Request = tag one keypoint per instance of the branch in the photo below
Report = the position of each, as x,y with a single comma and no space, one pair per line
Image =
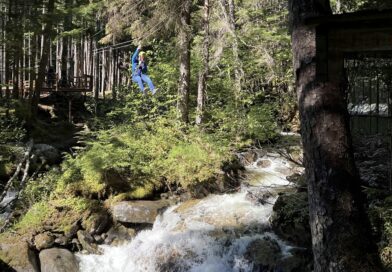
18,169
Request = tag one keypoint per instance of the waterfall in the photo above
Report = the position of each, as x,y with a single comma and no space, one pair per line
212,234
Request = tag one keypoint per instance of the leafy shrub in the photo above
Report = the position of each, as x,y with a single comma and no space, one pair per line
134,158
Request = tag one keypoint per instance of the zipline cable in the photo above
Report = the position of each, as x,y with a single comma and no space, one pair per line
128,43
111,46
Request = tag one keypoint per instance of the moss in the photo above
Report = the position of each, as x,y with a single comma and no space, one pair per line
35,217
139,193
59,214
386,257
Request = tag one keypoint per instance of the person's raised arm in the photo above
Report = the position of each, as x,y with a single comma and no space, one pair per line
135,56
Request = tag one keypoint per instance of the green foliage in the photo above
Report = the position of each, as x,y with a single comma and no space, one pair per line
11,126
61,214
136,158
35,216
40,188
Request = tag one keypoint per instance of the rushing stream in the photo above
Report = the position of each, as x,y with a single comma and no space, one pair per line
212,234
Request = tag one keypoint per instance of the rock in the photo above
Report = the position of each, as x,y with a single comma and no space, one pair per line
248,158
299,180
58,260
138,212
290,219
71,232
264,163
258,197
18,255
264,253
97,222
47,153
119,234
87,242
61,240
299,259
43,241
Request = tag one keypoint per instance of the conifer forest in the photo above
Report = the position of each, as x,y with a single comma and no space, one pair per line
196,135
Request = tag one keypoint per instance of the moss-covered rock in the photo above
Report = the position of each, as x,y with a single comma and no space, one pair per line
87,242
290,219
96,221
16,253
43,241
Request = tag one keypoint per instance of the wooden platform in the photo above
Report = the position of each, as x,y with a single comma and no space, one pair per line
82,84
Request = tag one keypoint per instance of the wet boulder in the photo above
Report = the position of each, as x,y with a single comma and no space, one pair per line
119,234
58,260
87,242
269,255
265,163
264,253
138,212
248,158
290,218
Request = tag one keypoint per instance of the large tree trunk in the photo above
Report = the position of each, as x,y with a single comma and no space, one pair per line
44,57
202,85
238,71
65,53
184,41
340,229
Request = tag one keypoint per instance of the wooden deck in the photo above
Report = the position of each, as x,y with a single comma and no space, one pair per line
83,84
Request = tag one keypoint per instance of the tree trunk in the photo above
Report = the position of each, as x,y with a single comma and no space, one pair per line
44,57
228,9
238,71
185,57
202,85
67,26
339,226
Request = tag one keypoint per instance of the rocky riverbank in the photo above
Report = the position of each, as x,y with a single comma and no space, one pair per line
71,228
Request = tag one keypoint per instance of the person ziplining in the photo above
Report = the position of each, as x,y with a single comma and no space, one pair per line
139,71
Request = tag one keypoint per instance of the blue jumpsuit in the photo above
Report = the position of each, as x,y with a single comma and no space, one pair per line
139,73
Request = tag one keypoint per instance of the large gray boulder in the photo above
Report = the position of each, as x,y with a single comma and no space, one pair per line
58,260
138,212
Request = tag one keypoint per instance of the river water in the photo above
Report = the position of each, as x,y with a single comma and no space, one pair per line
212,234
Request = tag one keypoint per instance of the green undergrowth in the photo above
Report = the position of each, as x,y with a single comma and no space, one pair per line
137,149
380,215
135,159
58,214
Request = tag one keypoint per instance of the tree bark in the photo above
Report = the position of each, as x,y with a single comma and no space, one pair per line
185,57
228,9
339,226
202,85
44,58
